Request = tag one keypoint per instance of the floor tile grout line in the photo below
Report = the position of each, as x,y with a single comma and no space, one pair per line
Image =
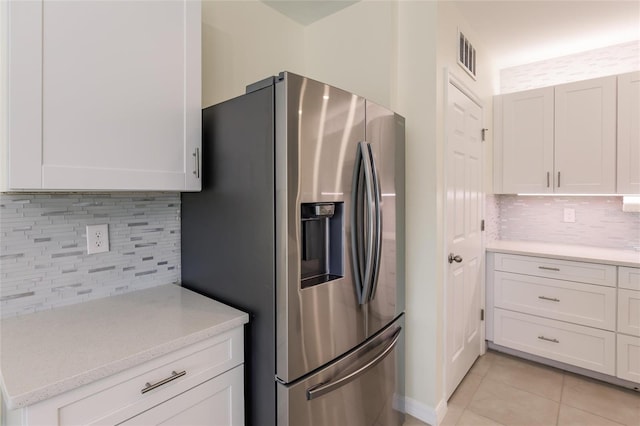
560,402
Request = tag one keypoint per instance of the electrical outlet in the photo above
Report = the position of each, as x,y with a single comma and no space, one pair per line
97,238
570,215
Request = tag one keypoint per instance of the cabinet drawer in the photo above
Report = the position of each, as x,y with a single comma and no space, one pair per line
584,347
629,311
119,397
218,401
591,273
628,365
584,304
629,278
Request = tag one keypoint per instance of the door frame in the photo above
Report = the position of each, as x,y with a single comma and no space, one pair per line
452,79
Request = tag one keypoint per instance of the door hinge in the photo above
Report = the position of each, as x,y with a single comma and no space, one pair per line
482,225
481,314
484,134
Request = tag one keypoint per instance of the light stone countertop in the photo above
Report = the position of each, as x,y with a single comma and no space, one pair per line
50,352
567,252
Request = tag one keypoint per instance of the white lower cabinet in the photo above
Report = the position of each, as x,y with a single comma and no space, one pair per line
628,364
582,314
196,385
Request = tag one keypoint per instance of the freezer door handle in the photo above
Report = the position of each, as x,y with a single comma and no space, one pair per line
324,388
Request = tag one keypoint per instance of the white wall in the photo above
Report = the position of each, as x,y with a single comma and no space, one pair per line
244,42
355,50
416,101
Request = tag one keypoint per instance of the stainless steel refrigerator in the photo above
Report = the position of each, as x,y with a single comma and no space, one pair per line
300,224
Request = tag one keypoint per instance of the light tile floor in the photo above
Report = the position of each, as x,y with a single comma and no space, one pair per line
504,390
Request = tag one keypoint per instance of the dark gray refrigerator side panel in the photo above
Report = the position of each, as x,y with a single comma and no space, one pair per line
228,233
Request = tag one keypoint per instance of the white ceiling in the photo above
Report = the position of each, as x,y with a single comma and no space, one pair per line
519,32
306,12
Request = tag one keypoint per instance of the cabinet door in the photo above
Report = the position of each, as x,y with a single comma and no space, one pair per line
527,142
217,402
585,137
629,311
629,133
628,362
120,96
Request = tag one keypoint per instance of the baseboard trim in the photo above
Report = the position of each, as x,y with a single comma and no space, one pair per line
424,412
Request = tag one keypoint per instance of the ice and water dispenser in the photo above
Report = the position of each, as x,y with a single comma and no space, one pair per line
322,243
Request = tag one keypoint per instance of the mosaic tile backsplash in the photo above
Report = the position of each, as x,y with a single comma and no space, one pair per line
600,221
617,59
43,250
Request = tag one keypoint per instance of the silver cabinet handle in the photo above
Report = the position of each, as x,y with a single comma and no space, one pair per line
558,179
149,387
546,339
548,268
552,299
548,179
196,155
457,258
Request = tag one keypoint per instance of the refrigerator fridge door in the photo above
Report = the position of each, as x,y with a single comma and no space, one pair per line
318,128
364,388
385,137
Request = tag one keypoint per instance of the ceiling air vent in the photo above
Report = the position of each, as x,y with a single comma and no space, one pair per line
466,55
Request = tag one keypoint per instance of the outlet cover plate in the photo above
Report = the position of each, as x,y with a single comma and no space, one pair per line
569,215
97,238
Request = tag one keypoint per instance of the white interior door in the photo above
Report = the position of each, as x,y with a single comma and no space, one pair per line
463,235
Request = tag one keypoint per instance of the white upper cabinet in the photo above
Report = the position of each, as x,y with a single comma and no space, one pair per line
101,95
585,137
629,133
558,139
527,141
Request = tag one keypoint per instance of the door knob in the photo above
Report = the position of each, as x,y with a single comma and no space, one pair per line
455,258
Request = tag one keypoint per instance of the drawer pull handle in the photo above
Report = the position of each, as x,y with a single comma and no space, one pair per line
552,299
548,340
149,387
547,268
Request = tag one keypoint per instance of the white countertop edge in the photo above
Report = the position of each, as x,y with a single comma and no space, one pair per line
49,391
607,256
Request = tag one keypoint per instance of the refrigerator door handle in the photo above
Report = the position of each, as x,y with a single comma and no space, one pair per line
364,223
356,220
324,388
378,224
370,222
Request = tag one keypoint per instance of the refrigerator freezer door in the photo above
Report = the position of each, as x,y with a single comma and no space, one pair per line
318,128
361,389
